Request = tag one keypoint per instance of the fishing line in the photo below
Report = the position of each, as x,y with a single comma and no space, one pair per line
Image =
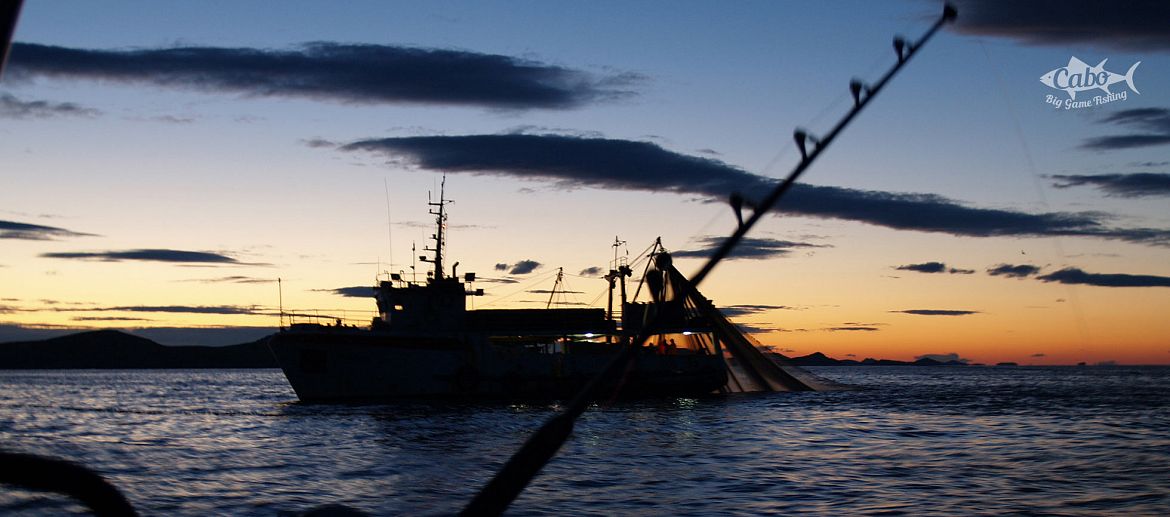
524,287
701,233
1038,185
541,446
389,224
598,297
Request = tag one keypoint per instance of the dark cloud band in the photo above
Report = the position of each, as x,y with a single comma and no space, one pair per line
1131,25
172,309
520,268
733,311
1072,275
12,107
1013,270
934,267
1141,184
937,312
353,73
748,248
360,291
1151,126
148,255
575,161
35,232
926,267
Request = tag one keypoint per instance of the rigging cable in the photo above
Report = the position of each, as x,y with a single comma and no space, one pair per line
1074,301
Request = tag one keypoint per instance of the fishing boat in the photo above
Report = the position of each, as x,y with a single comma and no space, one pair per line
425,342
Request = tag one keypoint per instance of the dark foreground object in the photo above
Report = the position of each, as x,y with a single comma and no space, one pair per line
53,475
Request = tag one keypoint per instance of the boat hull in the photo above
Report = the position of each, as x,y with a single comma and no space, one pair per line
344,364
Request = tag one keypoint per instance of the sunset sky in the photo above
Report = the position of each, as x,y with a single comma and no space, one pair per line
165,162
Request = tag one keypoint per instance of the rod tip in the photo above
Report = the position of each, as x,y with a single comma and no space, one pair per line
949,12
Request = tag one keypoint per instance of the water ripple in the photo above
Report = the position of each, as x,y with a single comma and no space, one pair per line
916,441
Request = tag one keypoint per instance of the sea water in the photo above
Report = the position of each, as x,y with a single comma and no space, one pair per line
913,440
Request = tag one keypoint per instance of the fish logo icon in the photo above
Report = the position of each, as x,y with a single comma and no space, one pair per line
1078,76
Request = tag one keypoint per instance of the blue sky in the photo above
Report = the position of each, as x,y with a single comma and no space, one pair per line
261,178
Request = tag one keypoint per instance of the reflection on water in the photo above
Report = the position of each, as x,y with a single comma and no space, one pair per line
917,440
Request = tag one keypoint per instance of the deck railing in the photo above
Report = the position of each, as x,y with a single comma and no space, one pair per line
327,317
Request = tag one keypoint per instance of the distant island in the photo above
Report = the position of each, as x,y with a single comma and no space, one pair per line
819,359
114,349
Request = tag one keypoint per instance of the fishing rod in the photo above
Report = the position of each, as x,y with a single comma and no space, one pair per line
9,13
527,462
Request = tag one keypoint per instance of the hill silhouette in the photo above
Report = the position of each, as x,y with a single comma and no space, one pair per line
113,349
819,359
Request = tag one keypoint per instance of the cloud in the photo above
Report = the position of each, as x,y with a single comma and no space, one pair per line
1124,185
549,291
934,267
14,108
347,73
757,329
108,318
1013,271
1072,275
190,309
35,232
853,329
943,358
319,143
496,280
925,267
571,161
359,291
1153,125
174,309
233,279
732,311
591,271
149,255
520,268
1038,355
556,303
430,225
937,312
1136,25
524,267
172,119
755,248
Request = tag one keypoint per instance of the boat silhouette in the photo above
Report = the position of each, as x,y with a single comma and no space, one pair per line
425,342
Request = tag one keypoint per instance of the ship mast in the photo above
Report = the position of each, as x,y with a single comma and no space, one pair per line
553,292
441,224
